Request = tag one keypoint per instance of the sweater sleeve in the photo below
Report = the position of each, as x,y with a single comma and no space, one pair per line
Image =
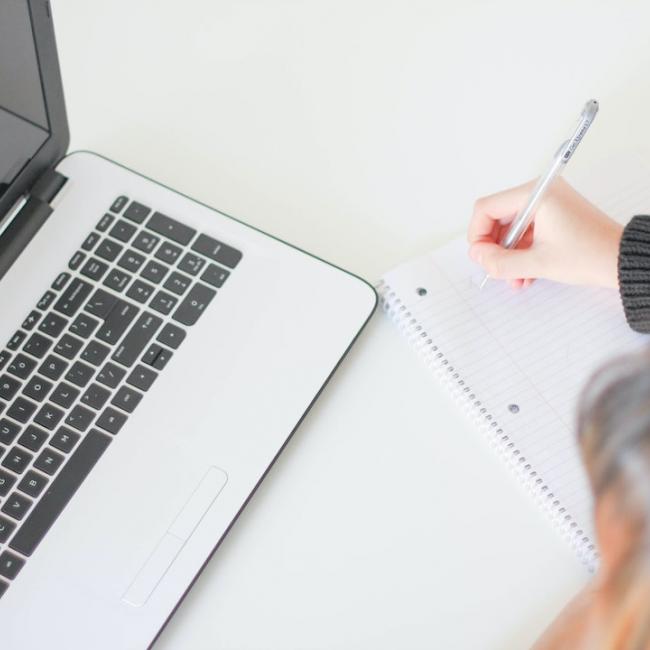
634,272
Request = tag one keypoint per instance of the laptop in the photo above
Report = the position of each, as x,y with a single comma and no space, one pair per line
155,357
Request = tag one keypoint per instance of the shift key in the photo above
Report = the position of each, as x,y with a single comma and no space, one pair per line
136,340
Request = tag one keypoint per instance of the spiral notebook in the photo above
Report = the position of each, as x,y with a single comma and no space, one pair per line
516,361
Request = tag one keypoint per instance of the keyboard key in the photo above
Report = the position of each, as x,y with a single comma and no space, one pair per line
17,460
61,280
6,482
49,416
140,291
52,324
108,250
7,527
117,322
111,375
127,399
94,269
157,356
68,346
76,260
47,299
4,358
49,461
80,418
64,395
37,345
53,367
141,377
31,320
32,484
117,280
131,261
80,374
105,222
191,263
177,283
33,438
3,587
136,340
194,304
73,297
10,565
37,388
84,326
21,366
118,204
95,353
137,212
154,271
163,302
16,506
95,396
111,420
164,225
145,241
8,387
65,439
122,230
215,275
101,303
21,409
90,241
8,432
171,335
61,490
16,340
217,251
168,253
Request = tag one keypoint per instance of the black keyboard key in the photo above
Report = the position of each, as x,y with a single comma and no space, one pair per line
8,432
16,506
191,263
4,358
52,324
68,346
53,367
126,399
150,357
47,299
122,230
141,377
140,291
215,275
49,461
21,366
108,250
49,416
117,322
131,261
94,269
10,565
8,387
90,241
117,280
65,439
37,345
73,297
168,253
16,340
33,438
31,320
105,222
137,212
194,304
118,204
17,460
217,251
80,374
61,490
21,409
164,225
163,302
3,587
84,326
111,420
80,418
111,375
136,340
145,241
6,482
76,260
95,396
154,271
7,527
64,395
171,335
37,388
162,358
101,303
61,280
95,353
177,283
32,484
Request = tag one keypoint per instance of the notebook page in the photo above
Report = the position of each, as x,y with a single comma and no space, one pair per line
523,356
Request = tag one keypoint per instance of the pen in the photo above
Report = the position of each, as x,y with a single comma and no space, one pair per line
561,158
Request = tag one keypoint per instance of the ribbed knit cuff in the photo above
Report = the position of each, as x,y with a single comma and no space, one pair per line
634,272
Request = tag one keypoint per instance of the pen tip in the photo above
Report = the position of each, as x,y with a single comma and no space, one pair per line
485,279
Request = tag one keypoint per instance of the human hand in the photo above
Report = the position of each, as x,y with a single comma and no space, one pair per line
570,240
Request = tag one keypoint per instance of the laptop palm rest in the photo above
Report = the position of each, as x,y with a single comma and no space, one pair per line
174,539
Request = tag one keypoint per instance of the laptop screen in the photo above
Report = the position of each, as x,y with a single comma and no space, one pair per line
24,125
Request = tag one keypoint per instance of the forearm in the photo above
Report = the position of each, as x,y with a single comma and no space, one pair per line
634,273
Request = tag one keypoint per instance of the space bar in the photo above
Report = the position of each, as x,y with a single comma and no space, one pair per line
61,490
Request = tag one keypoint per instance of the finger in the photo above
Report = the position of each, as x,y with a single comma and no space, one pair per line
506,264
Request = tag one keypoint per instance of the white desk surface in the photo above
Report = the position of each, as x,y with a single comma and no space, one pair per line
362,130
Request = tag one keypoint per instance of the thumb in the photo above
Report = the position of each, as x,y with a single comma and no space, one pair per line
506,264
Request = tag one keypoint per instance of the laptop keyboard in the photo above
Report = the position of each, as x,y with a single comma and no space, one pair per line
85,356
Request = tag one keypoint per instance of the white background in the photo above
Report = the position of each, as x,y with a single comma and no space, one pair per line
363,131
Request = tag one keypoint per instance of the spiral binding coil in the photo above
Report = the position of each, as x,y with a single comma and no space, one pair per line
464,396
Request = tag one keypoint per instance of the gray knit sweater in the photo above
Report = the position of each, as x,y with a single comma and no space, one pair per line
634,272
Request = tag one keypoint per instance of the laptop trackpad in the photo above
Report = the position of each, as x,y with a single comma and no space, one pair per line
174,539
